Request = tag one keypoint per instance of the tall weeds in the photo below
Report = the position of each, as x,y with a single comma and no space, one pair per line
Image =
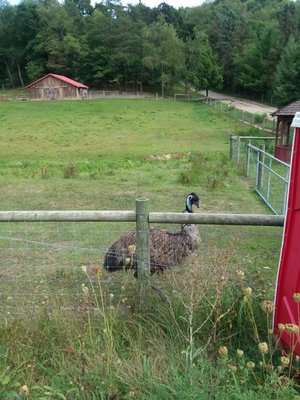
208,338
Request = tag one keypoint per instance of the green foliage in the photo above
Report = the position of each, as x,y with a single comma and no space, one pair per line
203,71
287,74
163,51
257,62
209,171
237,43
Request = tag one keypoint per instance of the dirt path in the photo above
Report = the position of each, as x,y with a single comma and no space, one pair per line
242,104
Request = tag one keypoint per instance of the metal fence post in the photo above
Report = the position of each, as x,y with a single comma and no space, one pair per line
285,191
231,147
248,156
238,150
261,162
143,244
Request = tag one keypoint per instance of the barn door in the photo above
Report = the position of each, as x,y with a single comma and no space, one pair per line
51,92
287,306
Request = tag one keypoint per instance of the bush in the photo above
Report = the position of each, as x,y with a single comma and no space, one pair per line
208,171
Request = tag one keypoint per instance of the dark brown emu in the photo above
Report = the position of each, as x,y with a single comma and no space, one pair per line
167,249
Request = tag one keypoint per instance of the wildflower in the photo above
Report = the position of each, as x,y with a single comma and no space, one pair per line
85,290
292,328
97,270
24,391
296,297
83,268
297,358
111,295
223,351
127,261
240,353
232,368
131,394
263,348
132,248
267,306
240,274
250,365
270,367
248,291
124,300
284,361
281,327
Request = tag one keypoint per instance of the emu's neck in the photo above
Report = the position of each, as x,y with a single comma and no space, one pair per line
191,233
188,206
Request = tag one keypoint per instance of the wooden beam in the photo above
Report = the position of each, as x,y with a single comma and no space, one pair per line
80,216
130,216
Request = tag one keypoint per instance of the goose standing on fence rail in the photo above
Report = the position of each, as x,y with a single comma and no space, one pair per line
167,248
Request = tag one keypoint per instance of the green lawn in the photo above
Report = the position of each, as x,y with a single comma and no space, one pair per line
68,342
113,151
106,130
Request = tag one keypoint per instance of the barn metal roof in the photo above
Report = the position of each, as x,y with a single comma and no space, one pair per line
62,78
289,110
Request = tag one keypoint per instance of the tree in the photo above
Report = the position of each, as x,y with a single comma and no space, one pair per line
287,79
202,67
255,65
163,52
226,35
287,22
18,26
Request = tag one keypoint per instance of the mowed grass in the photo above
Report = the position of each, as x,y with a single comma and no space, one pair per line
103,154
110,130
71,335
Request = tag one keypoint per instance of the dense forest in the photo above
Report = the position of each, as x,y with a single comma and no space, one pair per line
249,47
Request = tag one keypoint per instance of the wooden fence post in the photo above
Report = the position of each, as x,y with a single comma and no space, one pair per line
143,245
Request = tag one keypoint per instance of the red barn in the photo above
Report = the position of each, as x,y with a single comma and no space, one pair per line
53,86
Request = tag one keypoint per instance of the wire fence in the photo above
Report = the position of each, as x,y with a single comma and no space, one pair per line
269,175
261,121
49,262
120,94
239,144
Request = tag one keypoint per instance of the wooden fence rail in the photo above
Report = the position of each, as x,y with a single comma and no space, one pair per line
153,217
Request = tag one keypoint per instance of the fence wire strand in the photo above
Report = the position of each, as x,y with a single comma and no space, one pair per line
43,264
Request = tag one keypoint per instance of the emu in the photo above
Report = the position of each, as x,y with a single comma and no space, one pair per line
167,249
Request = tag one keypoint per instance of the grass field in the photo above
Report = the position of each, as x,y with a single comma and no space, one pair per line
70,334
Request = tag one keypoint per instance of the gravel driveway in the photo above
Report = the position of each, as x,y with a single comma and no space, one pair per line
242,104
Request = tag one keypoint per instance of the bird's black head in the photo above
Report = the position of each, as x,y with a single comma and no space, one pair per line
191,199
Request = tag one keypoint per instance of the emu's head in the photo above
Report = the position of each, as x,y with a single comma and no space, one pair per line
192,199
